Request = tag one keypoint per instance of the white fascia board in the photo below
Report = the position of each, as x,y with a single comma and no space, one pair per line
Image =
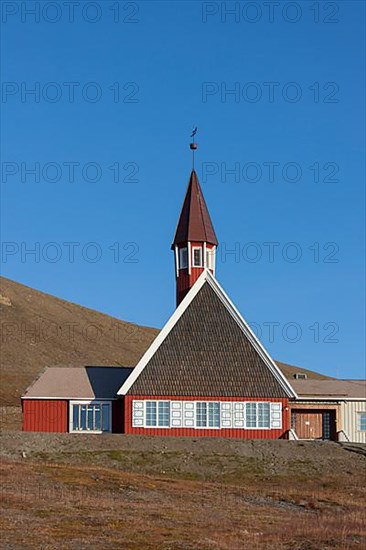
207,276
163,334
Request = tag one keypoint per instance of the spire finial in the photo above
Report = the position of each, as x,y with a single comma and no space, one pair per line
193,145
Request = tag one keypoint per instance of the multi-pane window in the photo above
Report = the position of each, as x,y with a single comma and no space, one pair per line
151,407
197,257
183,258
158,414
91,417
362,421
164,414
258,415
154,413
251,415
207,414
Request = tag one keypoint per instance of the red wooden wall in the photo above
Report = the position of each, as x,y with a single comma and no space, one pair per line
185,281
223,432
45,415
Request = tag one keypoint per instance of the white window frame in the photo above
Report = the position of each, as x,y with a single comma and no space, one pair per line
207,413
210,258
89,402
222,404
157,401
256,403
181,265
359,414
201,258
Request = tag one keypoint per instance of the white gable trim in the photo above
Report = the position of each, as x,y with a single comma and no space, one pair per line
206,276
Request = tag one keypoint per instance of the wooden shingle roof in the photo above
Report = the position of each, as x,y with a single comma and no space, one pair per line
207,350
194,223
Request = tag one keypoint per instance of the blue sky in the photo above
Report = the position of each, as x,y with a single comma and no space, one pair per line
292,129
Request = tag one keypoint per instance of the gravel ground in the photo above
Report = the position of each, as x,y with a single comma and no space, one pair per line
186,455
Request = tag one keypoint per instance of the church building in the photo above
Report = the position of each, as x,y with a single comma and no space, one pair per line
205,374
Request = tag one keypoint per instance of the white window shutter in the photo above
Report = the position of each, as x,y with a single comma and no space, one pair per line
238,414
276,416
138,413
176,414
188,414
226,415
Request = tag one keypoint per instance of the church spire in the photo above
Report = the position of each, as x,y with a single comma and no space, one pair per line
194,241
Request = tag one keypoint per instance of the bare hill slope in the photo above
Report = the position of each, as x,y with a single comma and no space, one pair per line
39,330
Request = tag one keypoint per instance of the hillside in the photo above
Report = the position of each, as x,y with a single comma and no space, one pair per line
39,330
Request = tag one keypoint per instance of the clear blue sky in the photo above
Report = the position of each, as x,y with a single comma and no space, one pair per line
312,116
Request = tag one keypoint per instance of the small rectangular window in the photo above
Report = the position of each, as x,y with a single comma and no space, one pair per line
197,257
210,258
362,421
183,258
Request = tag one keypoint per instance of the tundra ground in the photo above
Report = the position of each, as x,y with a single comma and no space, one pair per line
113,491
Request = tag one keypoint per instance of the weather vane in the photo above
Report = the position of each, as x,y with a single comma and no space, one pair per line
193,145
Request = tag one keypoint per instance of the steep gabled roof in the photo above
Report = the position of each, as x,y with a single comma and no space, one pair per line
207,349
194,221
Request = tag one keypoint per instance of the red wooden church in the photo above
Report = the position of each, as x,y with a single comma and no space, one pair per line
206,373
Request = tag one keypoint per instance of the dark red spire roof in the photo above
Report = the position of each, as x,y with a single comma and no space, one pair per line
194,221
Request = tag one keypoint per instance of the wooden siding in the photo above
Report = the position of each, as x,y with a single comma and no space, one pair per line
211,432
309,424
45,415
349,423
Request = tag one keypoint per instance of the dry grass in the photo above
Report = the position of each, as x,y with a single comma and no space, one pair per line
54,505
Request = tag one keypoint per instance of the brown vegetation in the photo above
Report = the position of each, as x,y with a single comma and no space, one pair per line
64,491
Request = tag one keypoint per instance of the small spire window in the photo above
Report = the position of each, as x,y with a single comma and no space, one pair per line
210,254
183,258
197,257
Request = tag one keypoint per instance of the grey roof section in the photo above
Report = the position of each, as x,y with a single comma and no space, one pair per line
352,389
78,383
206,353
